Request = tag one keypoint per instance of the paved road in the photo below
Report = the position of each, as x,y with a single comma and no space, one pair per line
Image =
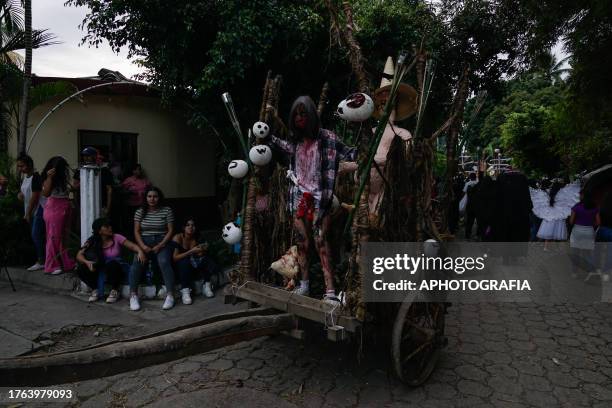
31,318
499,355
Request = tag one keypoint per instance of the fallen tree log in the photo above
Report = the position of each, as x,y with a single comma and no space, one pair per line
127,355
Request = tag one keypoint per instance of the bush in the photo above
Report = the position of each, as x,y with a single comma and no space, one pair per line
15,241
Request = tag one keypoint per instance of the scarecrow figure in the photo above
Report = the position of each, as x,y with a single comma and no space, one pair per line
314,155
405,106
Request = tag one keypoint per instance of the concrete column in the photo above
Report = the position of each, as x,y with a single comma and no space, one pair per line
91,202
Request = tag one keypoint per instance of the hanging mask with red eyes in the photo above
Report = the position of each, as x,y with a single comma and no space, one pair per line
356,107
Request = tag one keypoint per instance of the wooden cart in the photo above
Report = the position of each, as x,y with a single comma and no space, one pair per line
415,330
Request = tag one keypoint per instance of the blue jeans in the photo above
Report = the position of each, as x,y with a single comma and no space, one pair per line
164,259
110,271
188,271
38,234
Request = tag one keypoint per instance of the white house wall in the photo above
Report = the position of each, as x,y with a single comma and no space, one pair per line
174,156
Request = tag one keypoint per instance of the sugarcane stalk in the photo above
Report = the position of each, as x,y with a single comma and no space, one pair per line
322,99
248,203
373,147
271,96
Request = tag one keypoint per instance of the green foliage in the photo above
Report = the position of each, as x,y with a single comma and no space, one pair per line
523,135
387,27
45,92
439,169
198,49
14,231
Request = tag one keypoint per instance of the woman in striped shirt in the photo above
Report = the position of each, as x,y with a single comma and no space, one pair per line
153,229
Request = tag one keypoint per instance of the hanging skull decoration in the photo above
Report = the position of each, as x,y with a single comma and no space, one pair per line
431,248
231,233
260,155
356,107
238,168
261,130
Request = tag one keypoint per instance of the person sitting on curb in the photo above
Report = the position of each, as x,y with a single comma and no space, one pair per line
190,259
101,253
153,230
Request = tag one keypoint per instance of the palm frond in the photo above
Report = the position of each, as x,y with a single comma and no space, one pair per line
12,57
11,15
557,66
16,40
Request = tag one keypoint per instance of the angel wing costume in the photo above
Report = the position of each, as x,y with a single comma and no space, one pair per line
553,218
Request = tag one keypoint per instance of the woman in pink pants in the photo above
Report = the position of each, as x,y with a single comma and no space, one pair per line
57,212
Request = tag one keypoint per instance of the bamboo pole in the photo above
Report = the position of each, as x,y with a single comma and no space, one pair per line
271,97
451,142
322,99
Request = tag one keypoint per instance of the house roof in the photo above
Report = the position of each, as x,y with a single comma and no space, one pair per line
133,88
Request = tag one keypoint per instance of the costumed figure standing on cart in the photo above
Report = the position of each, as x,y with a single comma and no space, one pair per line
314,155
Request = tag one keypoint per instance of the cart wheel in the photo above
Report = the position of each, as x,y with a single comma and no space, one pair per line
418,335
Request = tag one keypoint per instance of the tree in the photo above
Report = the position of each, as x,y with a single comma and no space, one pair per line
27,78
13,38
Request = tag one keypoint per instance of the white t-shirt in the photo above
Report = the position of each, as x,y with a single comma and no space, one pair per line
31,184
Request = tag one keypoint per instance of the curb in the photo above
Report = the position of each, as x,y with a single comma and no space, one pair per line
66,282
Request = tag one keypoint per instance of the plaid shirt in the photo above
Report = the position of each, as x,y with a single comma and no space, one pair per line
331,152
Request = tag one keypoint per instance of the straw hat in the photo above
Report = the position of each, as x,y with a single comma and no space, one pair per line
406,99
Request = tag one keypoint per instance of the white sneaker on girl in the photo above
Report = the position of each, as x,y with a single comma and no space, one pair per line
207,290
186,296
134,302
168,303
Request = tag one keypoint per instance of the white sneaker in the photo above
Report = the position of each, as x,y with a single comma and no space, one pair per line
186,296
134,303
113,296
301,290
207,290
36,267
57,272
94,296
168,303
332,300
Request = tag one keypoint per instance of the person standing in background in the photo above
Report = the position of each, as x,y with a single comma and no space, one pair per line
33,202
55,187
90,157
135,187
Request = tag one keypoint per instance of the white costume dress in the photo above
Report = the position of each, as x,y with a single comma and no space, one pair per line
553,218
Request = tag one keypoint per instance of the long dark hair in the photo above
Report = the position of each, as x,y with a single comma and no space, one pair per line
556,186
587,200
160,202
62,173
95,241
312,124
196,232
184,224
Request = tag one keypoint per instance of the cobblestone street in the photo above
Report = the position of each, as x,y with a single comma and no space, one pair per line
501,355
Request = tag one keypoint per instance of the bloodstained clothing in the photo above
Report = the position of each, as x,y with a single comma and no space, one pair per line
330,152
307,169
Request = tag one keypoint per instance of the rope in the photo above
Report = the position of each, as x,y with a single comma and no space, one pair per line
235,288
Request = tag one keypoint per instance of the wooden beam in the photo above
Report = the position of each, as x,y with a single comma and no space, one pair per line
110,359
301,306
